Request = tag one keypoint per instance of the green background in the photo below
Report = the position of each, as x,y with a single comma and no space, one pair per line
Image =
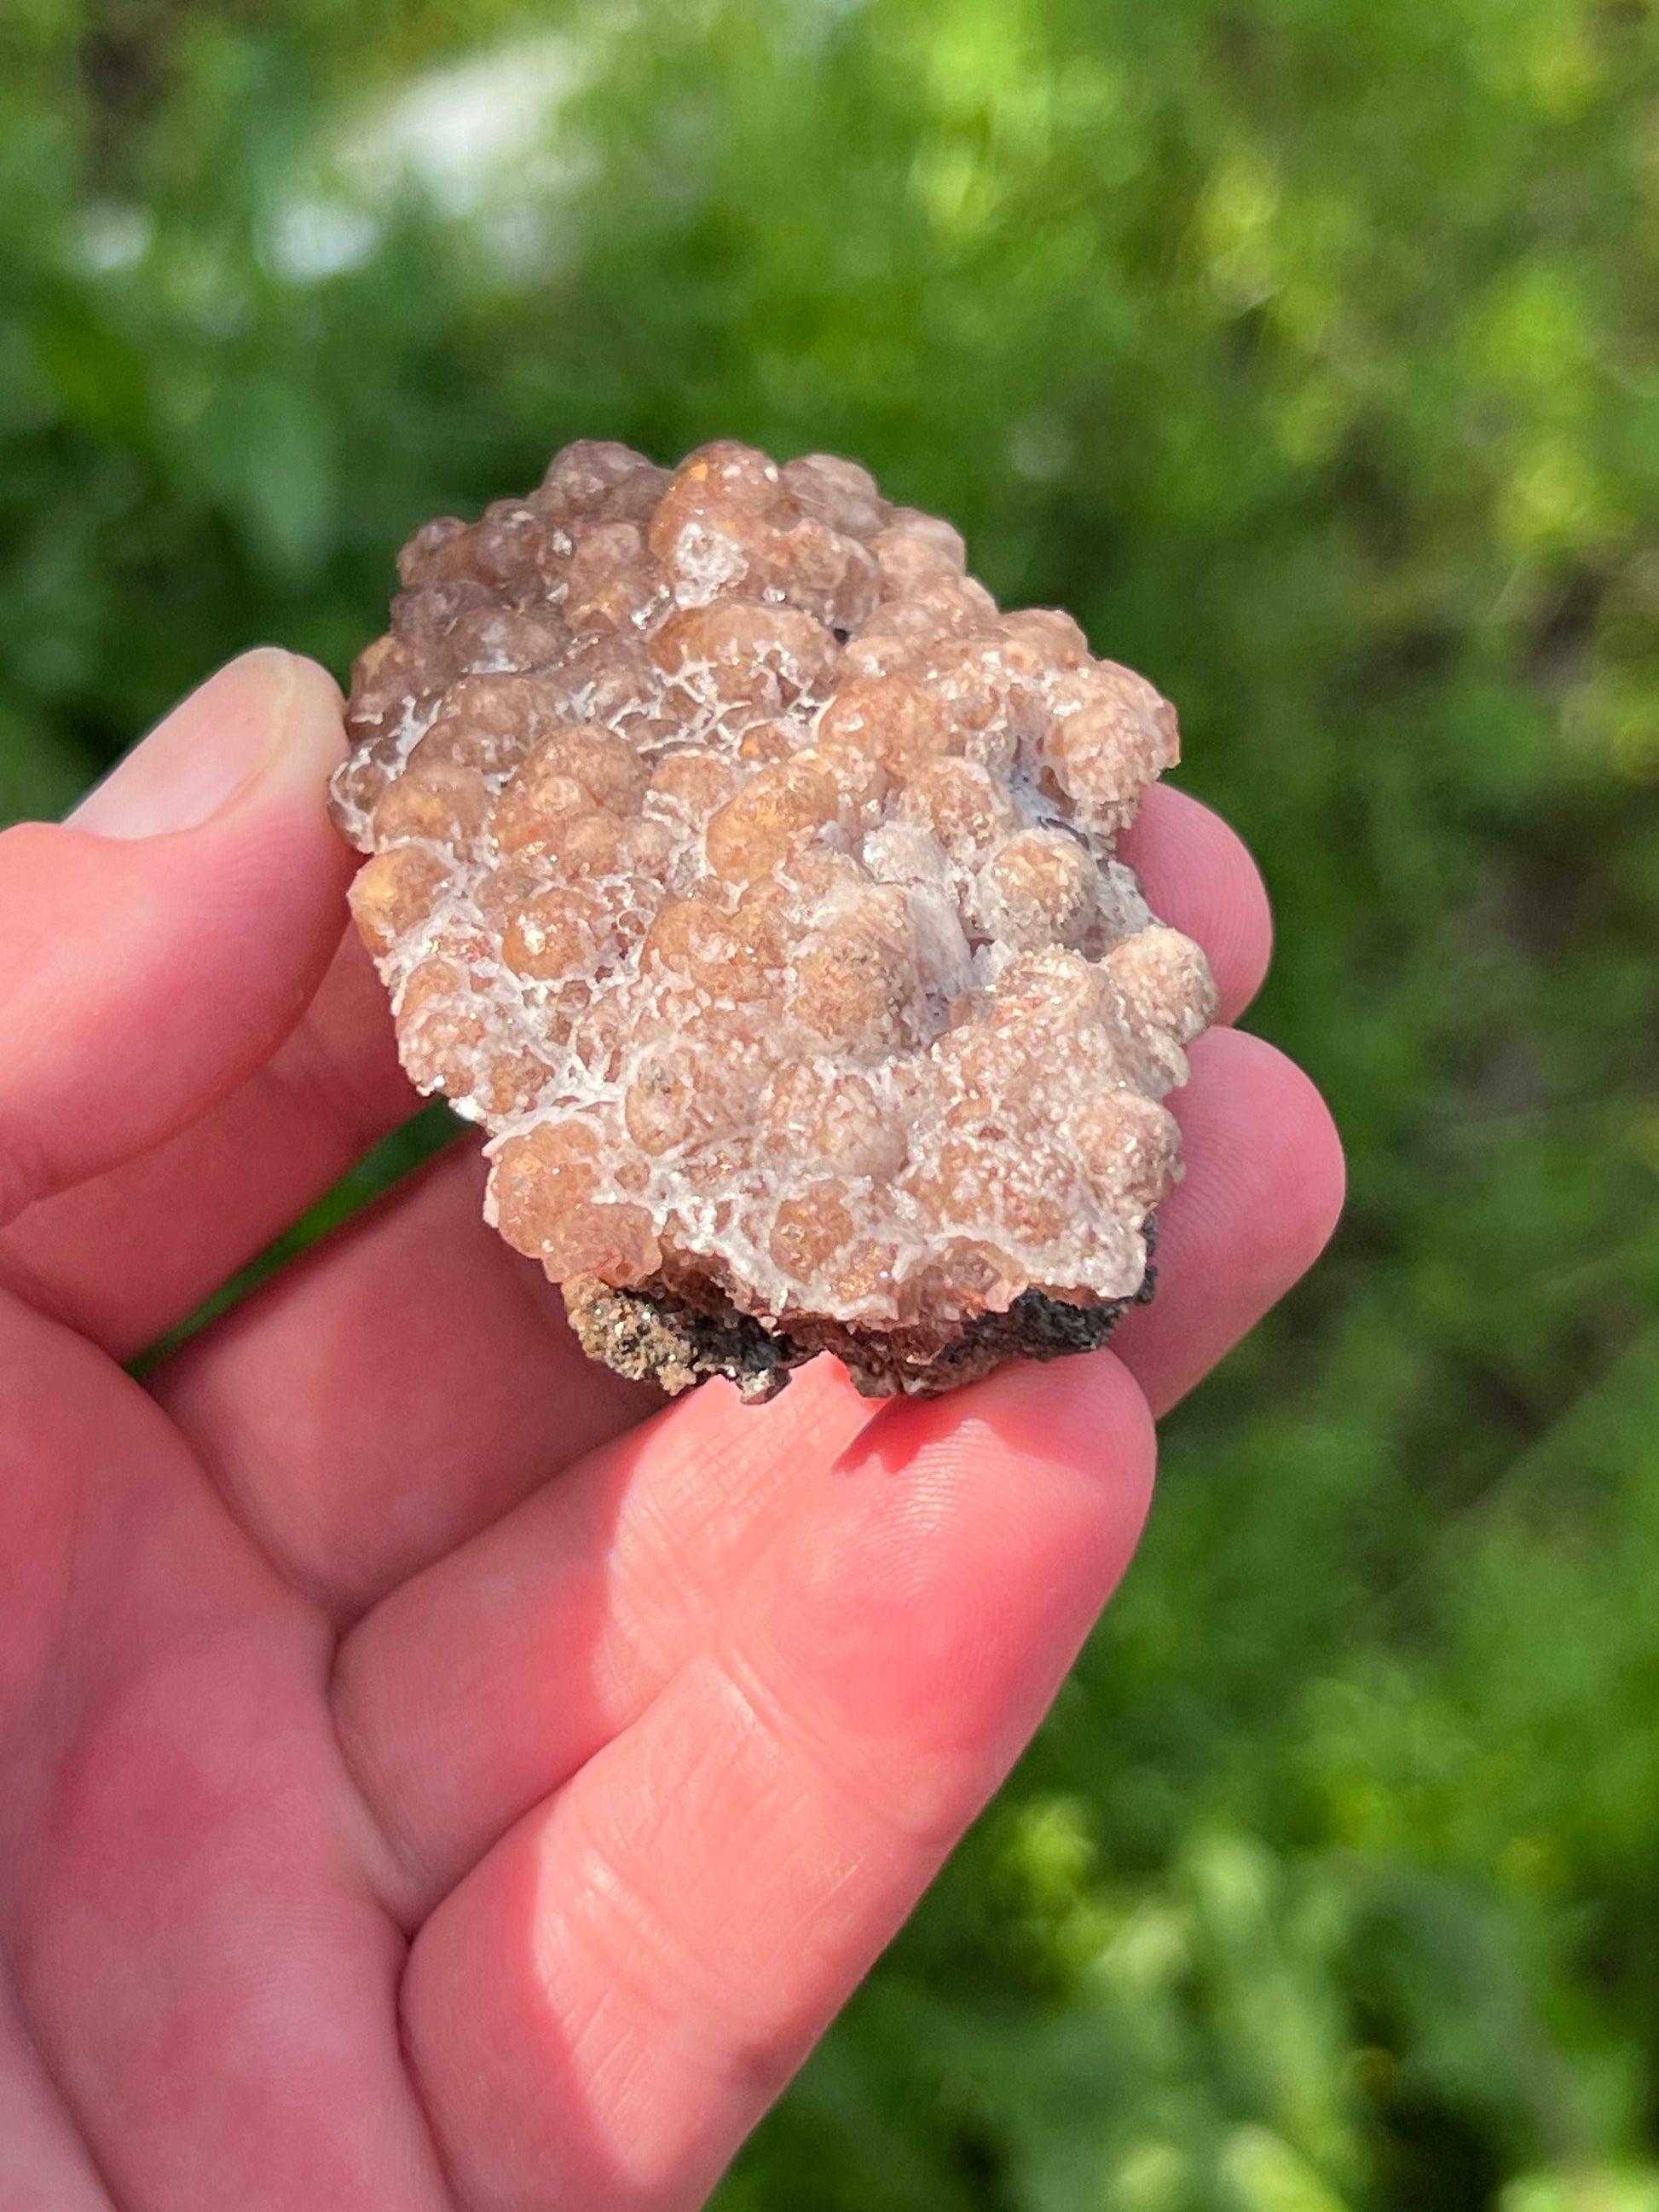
1306,350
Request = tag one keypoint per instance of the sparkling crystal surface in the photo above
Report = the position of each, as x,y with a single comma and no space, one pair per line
752,879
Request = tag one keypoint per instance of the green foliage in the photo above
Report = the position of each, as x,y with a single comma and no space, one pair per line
1305,349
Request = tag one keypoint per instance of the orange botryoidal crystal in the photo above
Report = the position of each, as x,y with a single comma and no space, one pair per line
751,878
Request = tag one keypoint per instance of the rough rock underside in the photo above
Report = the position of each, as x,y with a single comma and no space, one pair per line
752,879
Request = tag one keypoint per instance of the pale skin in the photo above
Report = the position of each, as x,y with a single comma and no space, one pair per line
432,1773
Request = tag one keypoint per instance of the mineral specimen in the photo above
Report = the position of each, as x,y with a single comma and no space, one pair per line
752,879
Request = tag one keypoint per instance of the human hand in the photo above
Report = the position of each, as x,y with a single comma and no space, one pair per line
434,1773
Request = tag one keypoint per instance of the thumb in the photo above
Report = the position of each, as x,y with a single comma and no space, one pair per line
159,945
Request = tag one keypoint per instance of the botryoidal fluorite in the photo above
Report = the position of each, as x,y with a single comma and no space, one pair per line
752,879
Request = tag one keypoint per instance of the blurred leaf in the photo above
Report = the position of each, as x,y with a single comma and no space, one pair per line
1606,2190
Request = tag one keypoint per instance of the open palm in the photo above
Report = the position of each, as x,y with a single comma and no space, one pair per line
432,1772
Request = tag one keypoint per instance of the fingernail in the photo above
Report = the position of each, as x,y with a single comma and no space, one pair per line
256,719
